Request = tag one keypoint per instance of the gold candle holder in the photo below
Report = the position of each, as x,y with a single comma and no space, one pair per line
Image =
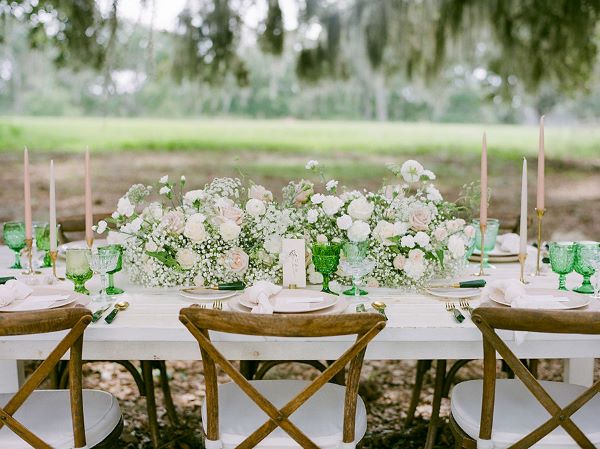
53,257
482,229
522,259
540,216
29,249
90,242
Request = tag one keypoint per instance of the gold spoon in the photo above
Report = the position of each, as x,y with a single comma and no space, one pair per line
380,307
122,305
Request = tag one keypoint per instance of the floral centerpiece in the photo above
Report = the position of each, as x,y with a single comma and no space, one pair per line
230,232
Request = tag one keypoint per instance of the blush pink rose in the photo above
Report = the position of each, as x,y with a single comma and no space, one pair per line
237,260
419,218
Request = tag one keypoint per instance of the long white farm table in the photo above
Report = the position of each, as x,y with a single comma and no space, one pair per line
419,328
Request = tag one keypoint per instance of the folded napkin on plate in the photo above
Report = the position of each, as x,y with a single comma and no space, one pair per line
259,294
509,243
12,291
503,290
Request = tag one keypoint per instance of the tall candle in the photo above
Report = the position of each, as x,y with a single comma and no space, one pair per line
523,224
52,220
540,169
89,233
27,194
484,184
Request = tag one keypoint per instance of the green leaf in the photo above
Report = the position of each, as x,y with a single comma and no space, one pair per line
165,258
440,255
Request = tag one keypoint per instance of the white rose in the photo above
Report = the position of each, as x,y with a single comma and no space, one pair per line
360,209
408,241
359,231
433,194
456,246
228,211
312,216
255,208
344,222
273,244
194,228
194,195
399,262
440,233
401,228
237,260
317,198
258,192
411,171
415,264
186,258
124,207
421,239
229,230
154,211
372,282
199,280
384,231
419,218
332,205
322,238
151,246
455,225
174,221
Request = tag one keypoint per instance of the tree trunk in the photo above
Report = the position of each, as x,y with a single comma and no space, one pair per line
380,93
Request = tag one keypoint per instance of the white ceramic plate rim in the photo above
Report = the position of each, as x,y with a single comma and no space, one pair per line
455,293
60,303
338,308
215,296
330,301
576,298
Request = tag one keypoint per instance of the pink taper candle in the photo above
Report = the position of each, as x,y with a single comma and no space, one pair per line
89,233
540,171
523,221
27,195
484,183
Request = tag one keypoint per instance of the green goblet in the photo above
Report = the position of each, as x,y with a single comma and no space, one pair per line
491,233
111,289
78,268
326,257
14,237
42,242
583,265
562,261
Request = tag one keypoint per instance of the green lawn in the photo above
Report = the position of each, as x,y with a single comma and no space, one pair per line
290,136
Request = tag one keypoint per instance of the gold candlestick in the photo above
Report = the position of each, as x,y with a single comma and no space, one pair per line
522,259
90,242
482,228
53,256
540,215
29,249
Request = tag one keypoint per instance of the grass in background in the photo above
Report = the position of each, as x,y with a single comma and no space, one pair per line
291,136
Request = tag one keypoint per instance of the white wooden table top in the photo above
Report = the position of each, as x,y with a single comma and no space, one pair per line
419,327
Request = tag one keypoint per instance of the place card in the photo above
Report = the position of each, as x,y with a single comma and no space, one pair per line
293,256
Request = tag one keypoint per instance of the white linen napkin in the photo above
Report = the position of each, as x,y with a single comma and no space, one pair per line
509,243
12,291
259,294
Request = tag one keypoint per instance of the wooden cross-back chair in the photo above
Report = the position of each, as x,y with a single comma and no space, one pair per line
520,413
45,417
323,404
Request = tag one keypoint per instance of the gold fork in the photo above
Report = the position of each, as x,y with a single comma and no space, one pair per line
451,307
217,305
466,306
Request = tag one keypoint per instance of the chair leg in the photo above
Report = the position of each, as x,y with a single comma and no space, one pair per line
440,379
422,367
166,389
533,367
248,368
456,366
150,401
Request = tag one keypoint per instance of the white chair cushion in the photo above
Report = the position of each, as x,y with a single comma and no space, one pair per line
517,413
320,418
47,413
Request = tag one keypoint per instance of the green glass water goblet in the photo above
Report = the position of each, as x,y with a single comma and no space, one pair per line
489,243
14,236
356,265
78,268
326,257
42,242
583,266
111,289
562,261
101,263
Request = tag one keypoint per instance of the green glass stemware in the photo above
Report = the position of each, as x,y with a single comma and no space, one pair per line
78,268
326,257
491,234
562,261
42,242
583,265
111,289
356,265
14,237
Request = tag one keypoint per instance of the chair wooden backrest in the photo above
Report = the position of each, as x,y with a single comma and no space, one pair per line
75,224
75,320
488,318
365,326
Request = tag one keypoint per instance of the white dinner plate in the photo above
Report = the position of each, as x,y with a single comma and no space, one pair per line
30,303
339,307
574,300
206,294
62,249
295,301
496,259
454,293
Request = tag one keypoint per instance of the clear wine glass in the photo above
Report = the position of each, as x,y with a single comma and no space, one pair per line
592,255
101,263
357,265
